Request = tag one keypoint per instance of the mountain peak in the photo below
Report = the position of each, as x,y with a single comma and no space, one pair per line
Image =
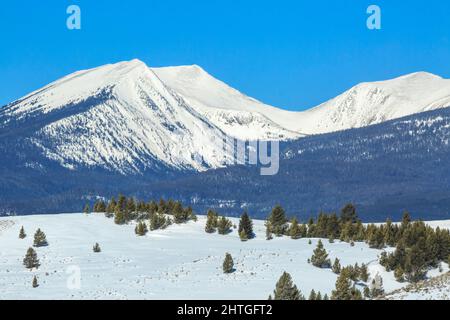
420,75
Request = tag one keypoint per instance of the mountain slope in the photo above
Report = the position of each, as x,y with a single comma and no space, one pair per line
376,102
118,117
129,128
235,113
384,169
129,118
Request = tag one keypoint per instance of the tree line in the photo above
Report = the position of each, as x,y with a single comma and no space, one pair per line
418,247
159,215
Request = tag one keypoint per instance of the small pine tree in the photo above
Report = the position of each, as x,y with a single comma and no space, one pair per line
40,239
366,292
285,289
336,266
179,214
294,230
35,282
312,295
110,209
309,242
228,263
343,290
246,225
278,221
318,296
119,217
325,297
96,248
224,226
87,209
320,257
364,273
22,234
31,261
211,222
141,228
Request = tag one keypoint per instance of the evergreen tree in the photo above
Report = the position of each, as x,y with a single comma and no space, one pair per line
162,207
211,222
31,261
399,274
131,205
294,230
336,266
343,289
22,234
415,266
152,207
356,294
228,264
318,296
100,206
110,209
40,239
366,292
118,216
141,228
246,225
86,209
158,221
224,226
363,273
325,297
278,221
312,295
320,257
96,248
179,215
35,282
121,203
286,290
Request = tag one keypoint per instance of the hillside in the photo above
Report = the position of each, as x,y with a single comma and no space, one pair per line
177,263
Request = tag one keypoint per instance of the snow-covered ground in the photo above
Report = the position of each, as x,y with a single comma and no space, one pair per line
181,262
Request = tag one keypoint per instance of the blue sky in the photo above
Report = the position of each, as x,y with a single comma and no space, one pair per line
292,54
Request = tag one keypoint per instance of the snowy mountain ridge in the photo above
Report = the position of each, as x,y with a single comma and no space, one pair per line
129,118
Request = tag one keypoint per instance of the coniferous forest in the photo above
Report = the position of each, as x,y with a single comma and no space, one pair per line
417,247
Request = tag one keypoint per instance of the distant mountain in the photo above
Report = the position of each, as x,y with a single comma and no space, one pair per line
129,118
126,127
383,169
376,102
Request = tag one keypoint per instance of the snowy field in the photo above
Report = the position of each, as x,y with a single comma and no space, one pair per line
181,262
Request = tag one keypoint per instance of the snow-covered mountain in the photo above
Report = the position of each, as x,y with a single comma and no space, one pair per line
129,118
376,102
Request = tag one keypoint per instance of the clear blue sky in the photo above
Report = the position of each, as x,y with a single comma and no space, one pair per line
292,54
